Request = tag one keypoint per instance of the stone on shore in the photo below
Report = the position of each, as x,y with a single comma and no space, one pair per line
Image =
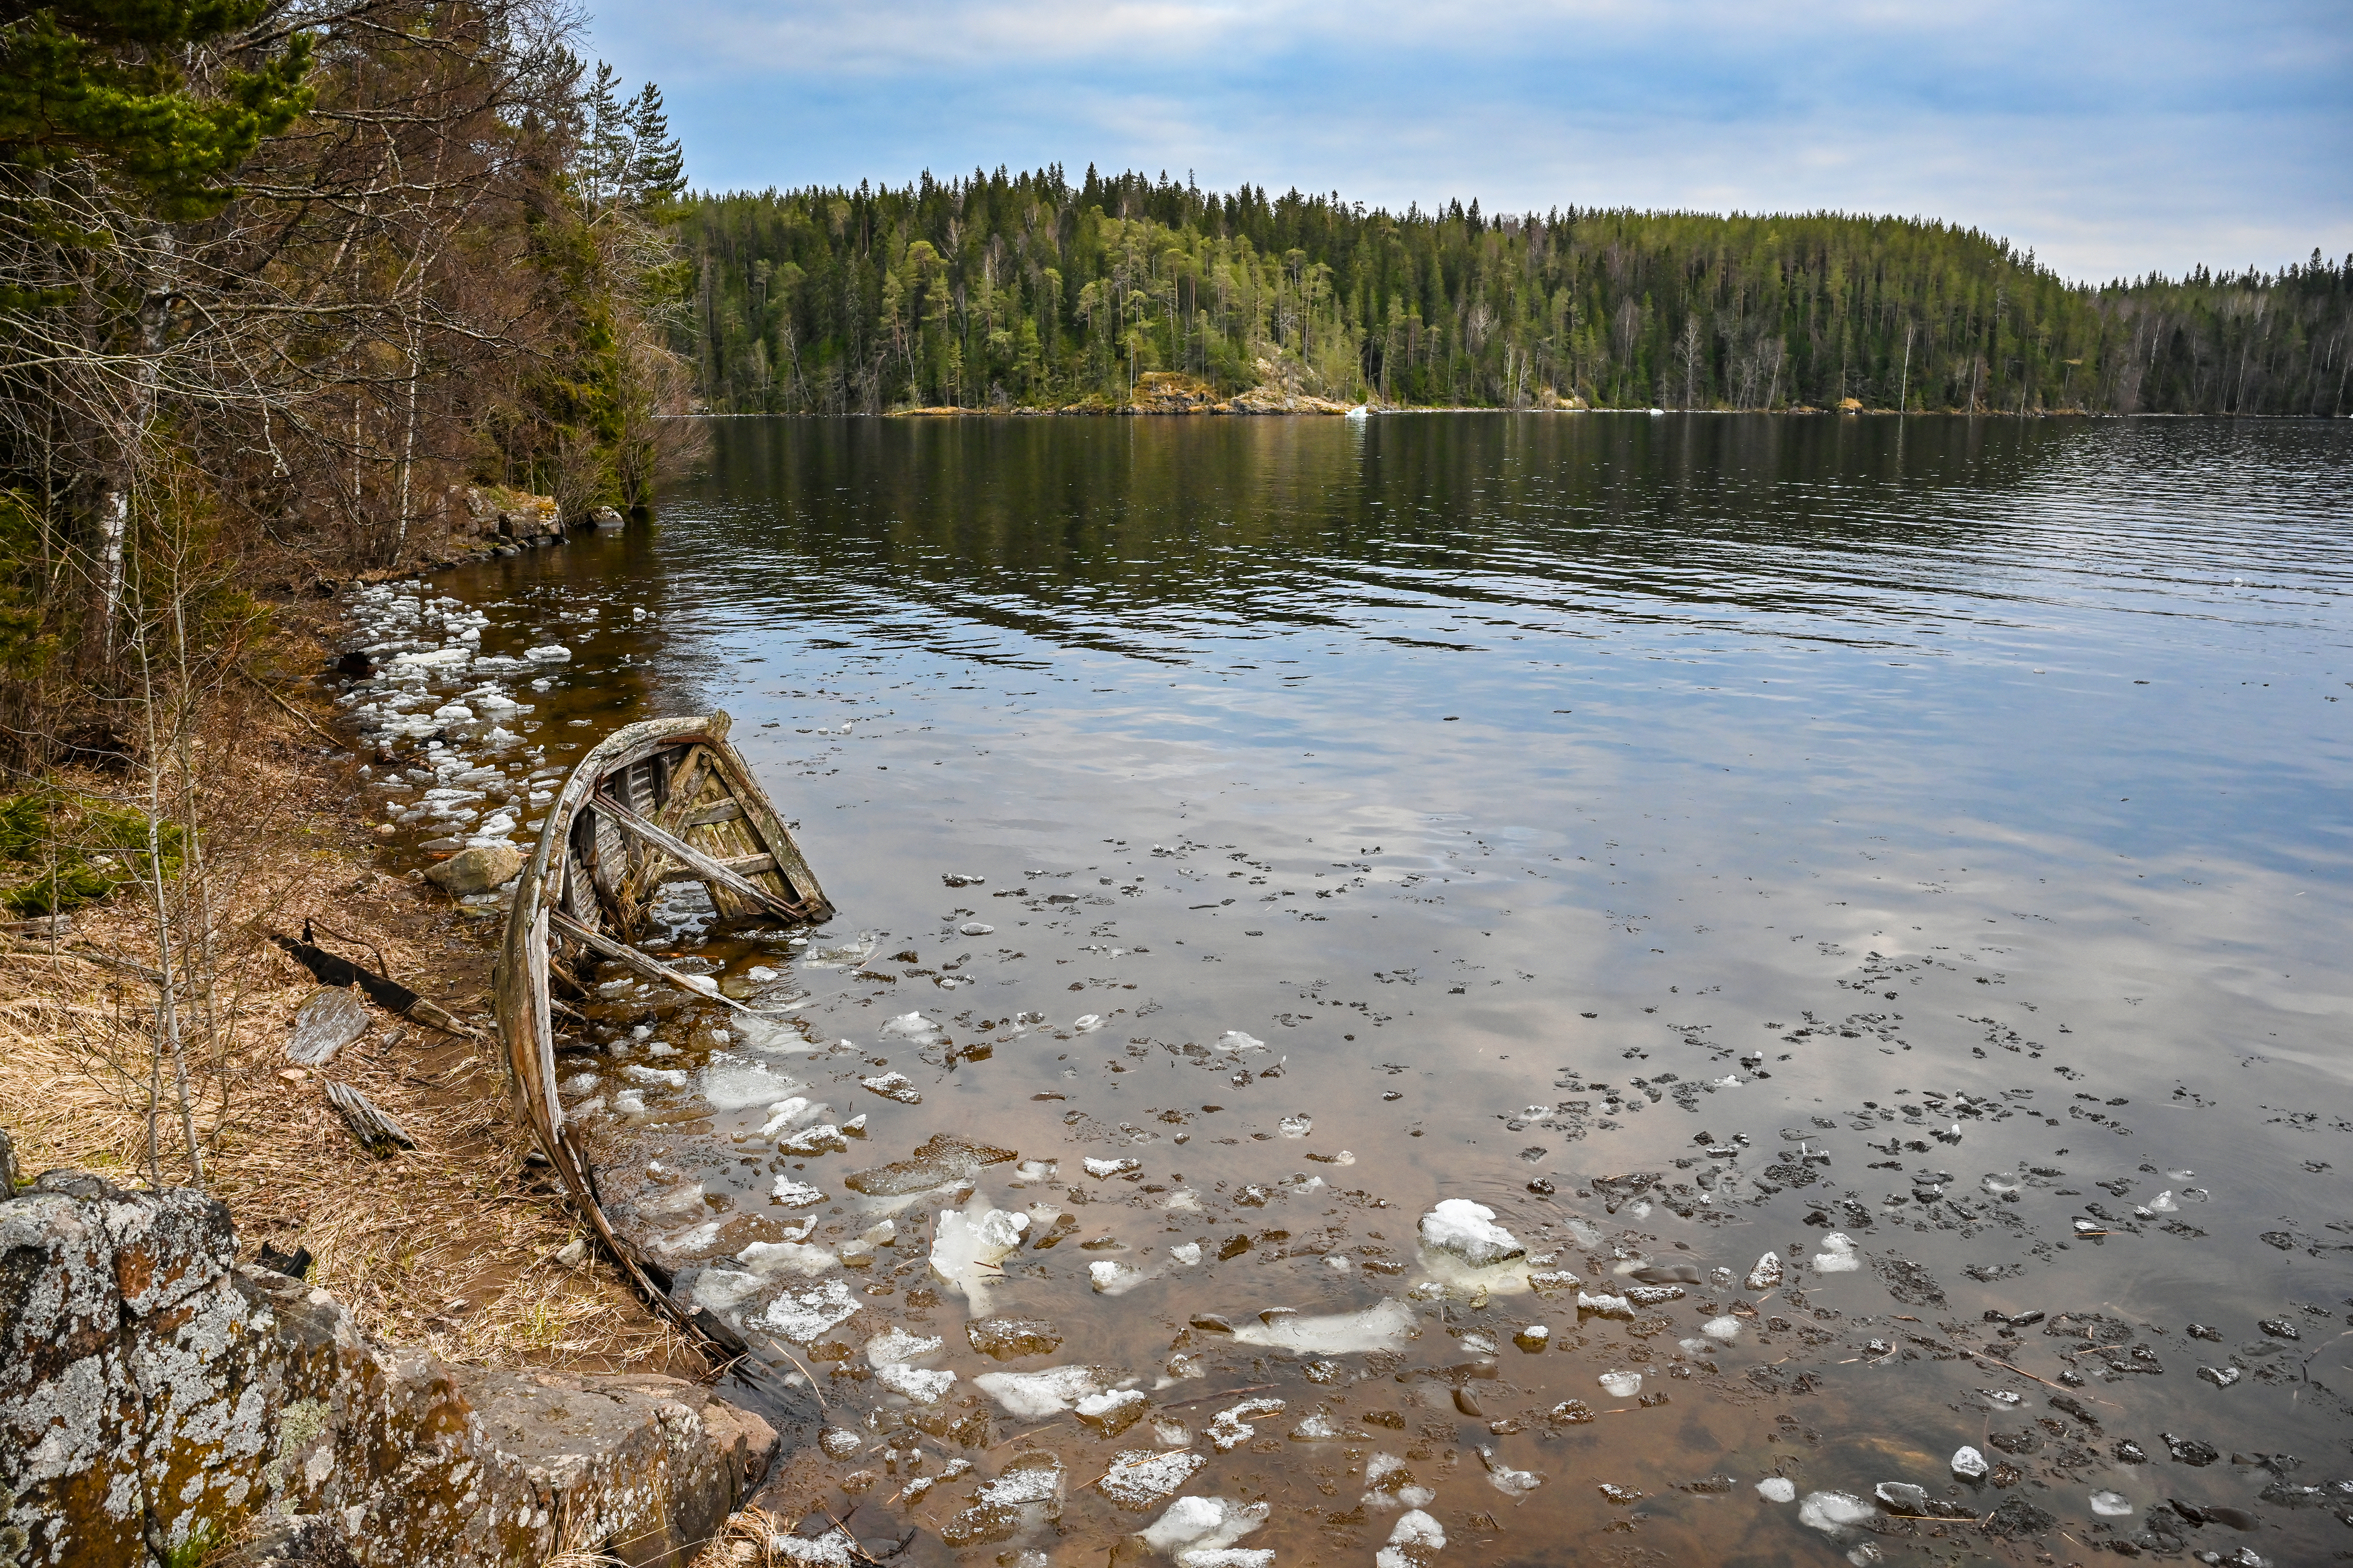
158,1401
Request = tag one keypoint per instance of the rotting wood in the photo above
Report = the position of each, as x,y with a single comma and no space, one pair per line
648,804
374,1127
716,872
332,969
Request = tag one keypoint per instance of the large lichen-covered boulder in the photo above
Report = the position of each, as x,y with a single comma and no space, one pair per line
159,1402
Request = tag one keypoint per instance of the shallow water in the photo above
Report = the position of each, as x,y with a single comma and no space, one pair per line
1557,799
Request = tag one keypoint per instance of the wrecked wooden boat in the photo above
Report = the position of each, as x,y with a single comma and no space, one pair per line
664,801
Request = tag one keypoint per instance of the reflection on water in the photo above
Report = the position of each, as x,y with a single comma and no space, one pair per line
1918,851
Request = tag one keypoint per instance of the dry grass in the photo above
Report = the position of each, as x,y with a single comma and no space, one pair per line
448,1247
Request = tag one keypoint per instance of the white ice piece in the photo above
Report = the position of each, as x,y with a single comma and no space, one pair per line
1838,1255
1834,1513
1777,1488
1726,1327
1469,1231
921,1385
1112,1278
802,1315
895,1344
796,1195
1035,1395
1195,1527
1099,1169
1416,1535
1767,1275
911,1027
773,1259
967,1245
1506,1480
1968,1464
1233,1042
2111,1505
1383,1326
549,653
1621,1384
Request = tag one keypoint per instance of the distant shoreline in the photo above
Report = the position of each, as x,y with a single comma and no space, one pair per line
1341,412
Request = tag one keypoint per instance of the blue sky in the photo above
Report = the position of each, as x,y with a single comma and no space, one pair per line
2110,138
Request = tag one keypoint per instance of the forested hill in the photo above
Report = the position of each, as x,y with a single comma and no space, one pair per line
1027,290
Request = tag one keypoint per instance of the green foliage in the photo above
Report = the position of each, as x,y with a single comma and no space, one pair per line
61,851
1027,290
104,80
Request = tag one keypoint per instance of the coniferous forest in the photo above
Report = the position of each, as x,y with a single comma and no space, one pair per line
1025,291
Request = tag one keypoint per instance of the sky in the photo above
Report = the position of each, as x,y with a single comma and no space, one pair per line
2111,139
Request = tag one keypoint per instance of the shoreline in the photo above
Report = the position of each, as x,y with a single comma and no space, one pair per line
1134,411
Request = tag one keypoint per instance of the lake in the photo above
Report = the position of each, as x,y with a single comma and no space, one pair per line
1916,849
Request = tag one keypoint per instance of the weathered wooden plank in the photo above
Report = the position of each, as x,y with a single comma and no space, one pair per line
716,872
705,816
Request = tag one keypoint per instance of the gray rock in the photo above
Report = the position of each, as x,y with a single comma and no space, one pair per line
476,871
158,1401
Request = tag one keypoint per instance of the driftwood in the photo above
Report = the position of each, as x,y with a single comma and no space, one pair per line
374,1127
653,803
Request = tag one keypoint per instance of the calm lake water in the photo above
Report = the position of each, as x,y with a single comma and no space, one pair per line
1900,847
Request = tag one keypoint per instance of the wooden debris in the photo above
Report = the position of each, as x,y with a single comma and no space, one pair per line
376,1129
654,803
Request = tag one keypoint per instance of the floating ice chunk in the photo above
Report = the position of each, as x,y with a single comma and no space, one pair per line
895,1086
667,1078
896,1344
1296,1126
1099,1169
1604,1304
1383,1326
834,1549
1233,1042
1230,1429
785,1114
733,1084
1186,1254
1086,1023
1767,1275
1003,1337
1317,1429
1838,1255
1416,1536
1139,1479
913,1027
769,1259
802,1315
1112,1278
1726,1327
796,1195
629,1103
1968,1464
1506,1480
1998,1183
2163,1203
975,927
1051,1391
2111,1505
1196,1526
824,1138
966,1247
1621,1384
1468,1230
919,1384
549,653
1109,1413
1777,1488
1832,1512
1035,1170
720,1289
1389,1484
